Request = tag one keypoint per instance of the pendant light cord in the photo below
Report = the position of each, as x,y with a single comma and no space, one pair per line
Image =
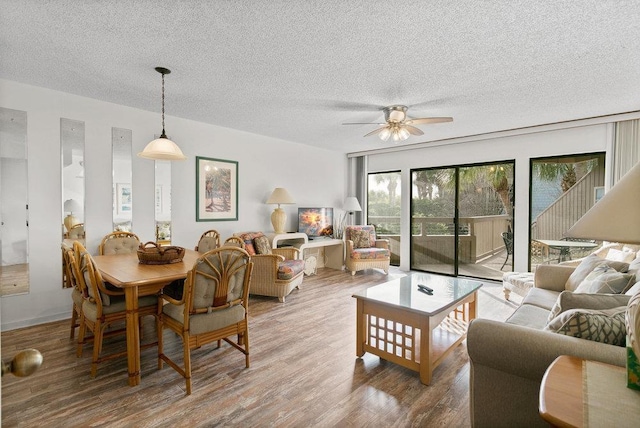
163,134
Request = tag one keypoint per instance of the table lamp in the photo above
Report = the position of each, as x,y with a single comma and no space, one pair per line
615,218
351,205
280,195
71,205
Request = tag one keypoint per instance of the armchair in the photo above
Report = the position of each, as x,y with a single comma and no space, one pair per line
364,251
276,271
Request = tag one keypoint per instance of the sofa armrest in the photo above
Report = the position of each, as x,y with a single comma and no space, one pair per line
527,352
552,277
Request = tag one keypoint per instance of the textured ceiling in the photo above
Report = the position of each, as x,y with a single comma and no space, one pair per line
297,70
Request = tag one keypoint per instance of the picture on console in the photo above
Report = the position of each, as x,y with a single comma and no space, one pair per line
315,222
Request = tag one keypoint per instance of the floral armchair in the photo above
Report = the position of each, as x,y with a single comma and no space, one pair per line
276,271
364,251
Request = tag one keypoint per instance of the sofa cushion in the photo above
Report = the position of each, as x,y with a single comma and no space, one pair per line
634,289
586,266
370,253
605,279
529,316
248,238
541,298
571,300
606,326
288,269
262,245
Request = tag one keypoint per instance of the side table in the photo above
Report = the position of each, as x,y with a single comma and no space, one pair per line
579,393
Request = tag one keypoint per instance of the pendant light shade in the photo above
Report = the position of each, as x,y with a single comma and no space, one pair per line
162,148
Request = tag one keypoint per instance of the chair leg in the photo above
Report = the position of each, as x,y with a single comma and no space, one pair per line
74,321
160,341
187,364
81,333
97,347
245,336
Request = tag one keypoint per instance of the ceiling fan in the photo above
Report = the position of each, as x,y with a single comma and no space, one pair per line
398,126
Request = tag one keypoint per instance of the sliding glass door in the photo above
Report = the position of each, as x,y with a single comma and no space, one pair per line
462,219
384,208
563,188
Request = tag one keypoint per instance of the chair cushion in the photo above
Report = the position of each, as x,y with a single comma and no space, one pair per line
117,305
361,238
289,269
262,245
124,245
606,326
207,244
352,233
202,323
369,253
605,279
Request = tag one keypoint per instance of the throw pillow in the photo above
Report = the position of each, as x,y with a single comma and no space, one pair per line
360,238
586,266
607,326
633,289
620,256
570,300
605,279
262,245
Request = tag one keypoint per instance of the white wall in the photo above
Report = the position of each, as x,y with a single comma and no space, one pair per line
314,177
583,139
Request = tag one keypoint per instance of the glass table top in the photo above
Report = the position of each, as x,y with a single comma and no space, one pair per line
404,292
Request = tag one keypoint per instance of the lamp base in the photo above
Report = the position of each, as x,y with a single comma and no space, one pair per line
70,221
278,219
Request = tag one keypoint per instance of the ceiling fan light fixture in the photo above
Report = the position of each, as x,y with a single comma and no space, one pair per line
162,148
404,134
384,134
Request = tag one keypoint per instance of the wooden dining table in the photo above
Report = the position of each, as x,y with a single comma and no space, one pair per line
136,279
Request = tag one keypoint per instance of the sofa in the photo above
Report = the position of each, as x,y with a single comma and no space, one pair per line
508,359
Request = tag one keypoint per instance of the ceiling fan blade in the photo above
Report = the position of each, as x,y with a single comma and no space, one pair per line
377,131
425,120
413,130
363,123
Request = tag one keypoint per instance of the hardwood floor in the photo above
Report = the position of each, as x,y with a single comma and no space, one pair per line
303,372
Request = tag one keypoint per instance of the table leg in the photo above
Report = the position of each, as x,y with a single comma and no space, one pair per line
133,335
473,307
360,328
425,351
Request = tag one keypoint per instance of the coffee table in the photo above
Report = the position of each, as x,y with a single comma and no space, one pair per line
401,324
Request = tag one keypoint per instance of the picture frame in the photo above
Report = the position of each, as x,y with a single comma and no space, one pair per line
123,198
598,193
216,189
158,199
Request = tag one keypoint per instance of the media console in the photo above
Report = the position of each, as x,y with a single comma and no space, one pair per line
333,249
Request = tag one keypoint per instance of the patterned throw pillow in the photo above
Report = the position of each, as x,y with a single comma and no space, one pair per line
262,245
570,300
606,326
587,265
360,238
605,279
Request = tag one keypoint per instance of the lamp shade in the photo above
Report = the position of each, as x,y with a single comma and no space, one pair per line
71,205
615,217
162,149
280,195
351,204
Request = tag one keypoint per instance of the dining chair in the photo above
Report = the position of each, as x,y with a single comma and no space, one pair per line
118,242
213,307
234,241
210,240
70,267
102,307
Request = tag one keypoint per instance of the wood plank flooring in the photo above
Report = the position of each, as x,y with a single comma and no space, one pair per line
303,372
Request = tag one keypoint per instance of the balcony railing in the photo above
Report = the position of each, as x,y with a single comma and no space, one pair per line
479,237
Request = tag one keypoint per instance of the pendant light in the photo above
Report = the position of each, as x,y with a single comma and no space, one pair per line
162,148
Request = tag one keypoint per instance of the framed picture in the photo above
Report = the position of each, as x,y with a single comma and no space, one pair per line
216,189
158,198
123,197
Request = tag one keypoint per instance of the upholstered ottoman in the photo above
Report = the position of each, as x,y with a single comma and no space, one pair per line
518,282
